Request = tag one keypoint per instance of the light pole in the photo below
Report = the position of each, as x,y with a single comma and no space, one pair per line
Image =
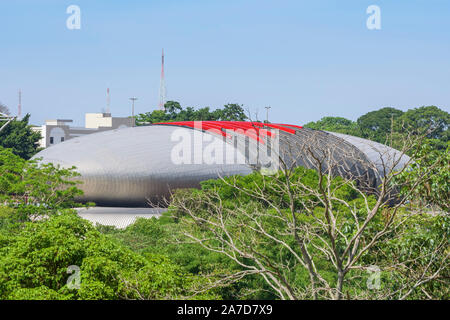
267,114
132,110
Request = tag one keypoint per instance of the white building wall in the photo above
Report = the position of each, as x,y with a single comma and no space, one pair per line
43,131
96,120
57,131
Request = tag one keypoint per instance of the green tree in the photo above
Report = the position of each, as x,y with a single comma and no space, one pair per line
174,112
308,235
335,124
392,124
34,262
188,114
172,108
35,188
435,166
204,114
430,120
166,236
18,136
151,117
231,112
376,125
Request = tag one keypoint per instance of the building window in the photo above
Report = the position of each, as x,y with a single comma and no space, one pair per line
51,140
62,139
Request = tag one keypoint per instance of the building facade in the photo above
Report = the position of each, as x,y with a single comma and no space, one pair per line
56,131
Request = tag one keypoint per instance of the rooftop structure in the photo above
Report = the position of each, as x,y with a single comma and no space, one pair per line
141,165
59,130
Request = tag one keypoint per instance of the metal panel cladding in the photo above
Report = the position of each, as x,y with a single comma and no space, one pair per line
132,166
140,165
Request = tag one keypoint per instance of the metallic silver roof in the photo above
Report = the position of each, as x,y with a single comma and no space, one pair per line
379,154
128,166
131,166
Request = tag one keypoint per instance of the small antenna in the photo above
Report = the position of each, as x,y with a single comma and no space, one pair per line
267,114
108,101
162,88
19,111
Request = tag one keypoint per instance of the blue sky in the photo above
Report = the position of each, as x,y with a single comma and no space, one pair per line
305,59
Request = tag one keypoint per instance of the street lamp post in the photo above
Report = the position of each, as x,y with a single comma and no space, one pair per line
267,114
132,110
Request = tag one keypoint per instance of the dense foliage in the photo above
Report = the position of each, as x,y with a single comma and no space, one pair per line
435,189
42,238
34,261
174,112
379,125
335,124
415,249
35,189
153,259
19,137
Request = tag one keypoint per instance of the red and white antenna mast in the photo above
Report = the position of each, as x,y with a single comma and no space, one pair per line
162,88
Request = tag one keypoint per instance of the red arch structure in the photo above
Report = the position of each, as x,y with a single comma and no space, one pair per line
246,127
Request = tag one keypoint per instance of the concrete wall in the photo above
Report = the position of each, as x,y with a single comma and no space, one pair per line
57,131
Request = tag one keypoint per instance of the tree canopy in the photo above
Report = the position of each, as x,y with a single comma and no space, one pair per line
34,263
297,234
295,231
376,125
36,189
19,137
430,120
335,124
387,123
42,240
174,112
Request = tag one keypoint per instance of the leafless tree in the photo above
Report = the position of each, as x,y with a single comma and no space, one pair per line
4,109
305,223
5,117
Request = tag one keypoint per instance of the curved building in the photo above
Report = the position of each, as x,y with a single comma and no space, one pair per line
142,165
